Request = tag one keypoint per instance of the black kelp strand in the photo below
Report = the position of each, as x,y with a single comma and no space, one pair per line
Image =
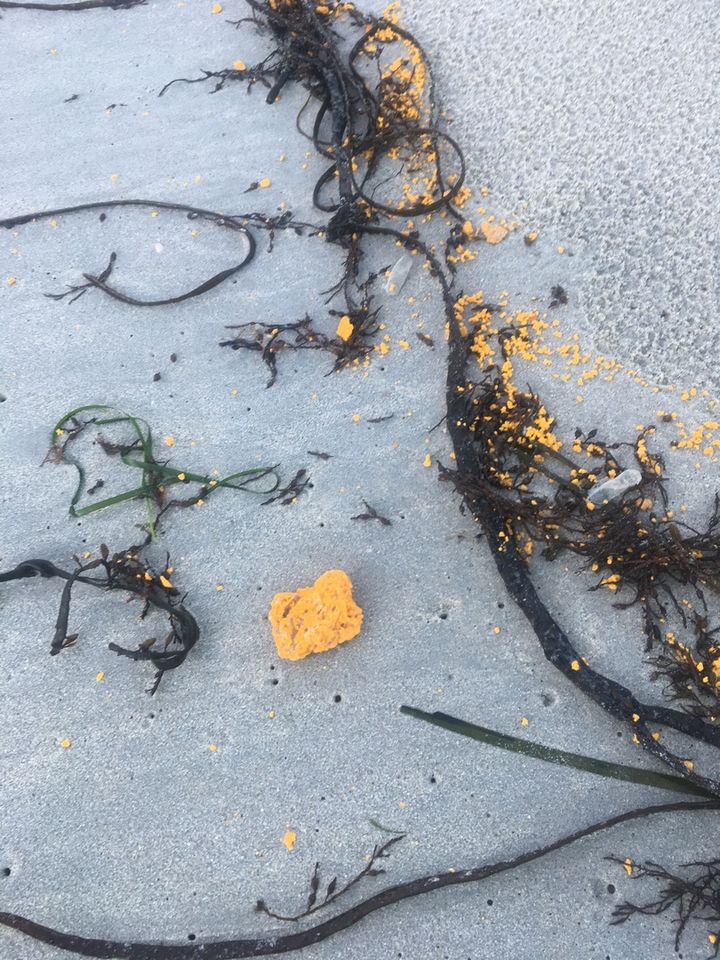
76,5
127,572
238,223
276,943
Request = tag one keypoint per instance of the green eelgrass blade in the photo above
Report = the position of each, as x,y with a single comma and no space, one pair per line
172,475
110,501
617,771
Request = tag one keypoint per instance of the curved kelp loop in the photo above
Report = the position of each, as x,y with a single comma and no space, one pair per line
430,140
100,281
138,453
276,943
123,571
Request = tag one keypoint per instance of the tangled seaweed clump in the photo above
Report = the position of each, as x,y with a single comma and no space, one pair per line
692,898
645,556
128,572
136,450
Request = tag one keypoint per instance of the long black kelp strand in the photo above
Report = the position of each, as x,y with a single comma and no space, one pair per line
276,943
76,5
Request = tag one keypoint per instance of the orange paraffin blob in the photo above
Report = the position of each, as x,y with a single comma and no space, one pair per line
316,618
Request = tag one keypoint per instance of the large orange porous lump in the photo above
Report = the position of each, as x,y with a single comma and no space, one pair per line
316,618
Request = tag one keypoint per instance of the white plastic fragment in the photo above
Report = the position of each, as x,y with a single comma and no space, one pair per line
399,274
610,489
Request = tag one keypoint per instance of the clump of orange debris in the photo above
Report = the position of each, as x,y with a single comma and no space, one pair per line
493,232
316,618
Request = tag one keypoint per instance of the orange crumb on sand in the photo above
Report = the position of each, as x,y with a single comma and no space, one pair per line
493,232
344,328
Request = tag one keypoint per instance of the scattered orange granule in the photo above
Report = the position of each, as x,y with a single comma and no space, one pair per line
493,232
317,618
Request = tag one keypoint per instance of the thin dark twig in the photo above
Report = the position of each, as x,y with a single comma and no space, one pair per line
333,893
372,514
